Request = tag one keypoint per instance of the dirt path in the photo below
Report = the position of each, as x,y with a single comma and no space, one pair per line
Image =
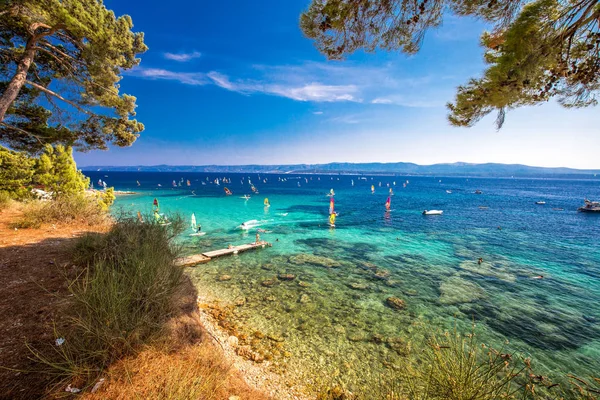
32,285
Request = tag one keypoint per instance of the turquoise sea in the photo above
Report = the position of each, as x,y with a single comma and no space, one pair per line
332,321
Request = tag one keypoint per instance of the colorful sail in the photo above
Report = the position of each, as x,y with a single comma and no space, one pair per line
174,183
188,183
372,188
388,204
331,192
331,206
266,202
332,220
155,204
391,192
227,192
194,227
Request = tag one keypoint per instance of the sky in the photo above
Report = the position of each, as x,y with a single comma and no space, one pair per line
235,82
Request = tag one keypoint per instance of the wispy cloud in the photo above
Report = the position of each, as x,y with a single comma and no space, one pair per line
314,82
182,57
188,78
318,112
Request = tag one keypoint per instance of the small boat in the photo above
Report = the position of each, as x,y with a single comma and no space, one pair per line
449,191
478,191
433,212
541,203
590,206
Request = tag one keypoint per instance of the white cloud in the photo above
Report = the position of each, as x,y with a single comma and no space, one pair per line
381,100
318,112
182,57
188,78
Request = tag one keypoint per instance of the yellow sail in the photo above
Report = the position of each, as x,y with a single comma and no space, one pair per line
267,204
332,219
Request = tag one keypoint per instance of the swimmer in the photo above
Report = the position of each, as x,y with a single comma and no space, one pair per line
480,261
277,240
499,228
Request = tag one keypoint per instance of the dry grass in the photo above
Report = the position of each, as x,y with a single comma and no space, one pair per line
66,210
193,372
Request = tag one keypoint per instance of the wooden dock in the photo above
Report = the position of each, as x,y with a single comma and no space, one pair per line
209,255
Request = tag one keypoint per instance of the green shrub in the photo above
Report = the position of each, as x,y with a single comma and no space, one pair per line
56,170
16,172
4,200
122,298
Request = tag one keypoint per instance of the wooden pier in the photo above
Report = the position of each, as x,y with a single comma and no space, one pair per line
209,255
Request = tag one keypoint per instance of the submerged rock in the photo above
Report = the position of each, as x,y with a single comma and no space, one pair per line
269,282
455,290
395,303
224,278
382,274
240,302
303,284
315,260
304,298
358,286
286,277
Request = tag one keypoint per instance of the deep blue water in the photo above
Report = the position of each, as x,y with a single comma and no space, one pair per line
429,261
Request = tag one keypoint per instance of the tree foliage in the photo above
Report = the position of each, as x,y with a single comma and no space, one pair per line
56,172
16,172
536,50
61,64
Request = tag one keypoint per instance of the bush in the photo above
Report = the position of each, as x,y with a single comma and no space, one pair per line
79,209
4,200
121,299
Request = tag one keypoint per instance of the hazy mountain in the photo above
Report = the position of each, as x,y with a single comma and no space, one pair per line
401,168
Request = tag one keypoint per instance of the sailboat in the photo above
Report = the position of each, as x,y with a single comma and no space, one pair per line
160,219
391,192
331,206
388,204
352,182
195,228
138,183
331,193
174,183
372,188
266,202
188,183
227,192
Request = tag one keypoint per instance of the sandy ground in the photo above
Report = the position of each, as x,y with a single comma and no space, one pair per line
33,264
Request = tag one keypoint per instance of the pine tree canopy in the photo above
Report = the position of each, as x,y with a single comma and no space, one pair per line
536,50
60,66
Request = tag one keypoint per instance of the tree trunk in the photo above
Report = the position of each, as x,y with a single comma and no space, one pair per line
17,81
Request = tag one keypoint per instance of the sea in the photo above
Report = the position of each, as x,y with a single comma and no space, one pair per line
524,277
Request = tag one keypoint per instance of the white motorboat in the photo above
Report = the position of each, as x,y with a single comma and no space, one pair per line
541,203
433,212
590,206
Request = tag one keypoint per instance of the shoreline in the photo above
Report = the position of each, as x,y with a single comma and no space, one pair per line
255,374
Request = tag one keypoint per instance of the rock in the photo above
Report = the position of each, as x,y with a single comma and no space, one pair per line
259,335
382,274
303,284
224,278
356,337
395,303
339,329
269,282
233,341
410,292
377,338
358,286
455,290
286,277
275,338
240,302
314,260
304,299
270,298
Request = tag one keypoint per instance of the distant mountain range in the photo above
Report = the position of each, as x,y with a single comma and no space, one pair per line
400,168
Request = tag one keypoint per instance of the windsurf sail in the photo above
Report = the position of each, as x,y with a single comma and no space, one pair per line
388,204
139,217
391,192
331,206
332,220
331,192
155,204
138,183
174,183
266,202
372,188
227,192
194,227
352,182
188,183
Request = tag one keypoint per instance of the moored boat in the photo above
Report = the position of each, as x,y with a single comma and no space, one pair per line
541,203
590,206
433,212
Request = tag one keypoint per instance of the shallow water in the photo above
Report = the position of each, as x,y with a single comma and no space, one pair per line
333,319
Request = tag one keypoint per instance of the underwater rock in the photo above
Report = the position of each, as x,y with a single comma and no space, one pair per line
382,274
368,266
456,290
303,284
224,278
377,338
269,282
356,337
314,260
392,283
275,338
410,292
395,303
304,299
270,298
498,270
286,277
240,302
358,286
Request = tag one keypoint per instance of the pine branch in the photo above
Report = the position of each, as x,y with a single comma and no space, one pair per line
52,93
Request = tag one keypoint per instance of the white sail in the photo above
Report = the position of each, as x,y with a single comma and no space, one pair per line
194,221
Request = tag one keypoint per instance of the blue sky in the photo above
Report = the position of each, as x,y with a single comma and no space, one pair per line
235,82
